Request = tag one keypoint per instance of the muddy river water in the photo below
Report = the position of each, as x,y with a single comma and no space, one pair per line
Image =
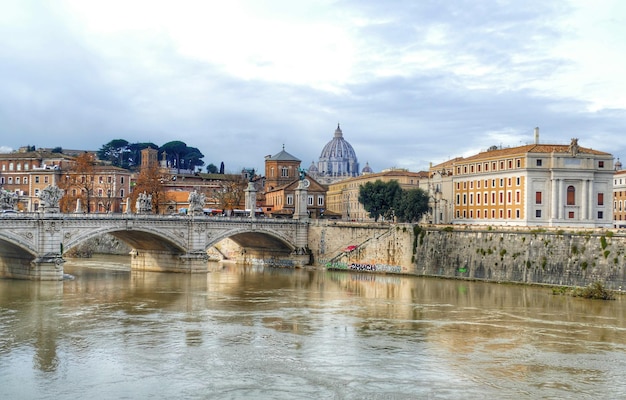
253,332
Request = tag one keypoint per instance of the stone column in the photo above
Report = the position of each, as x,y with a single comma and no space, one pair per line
584,209
301,200
251,198
555,199
561,201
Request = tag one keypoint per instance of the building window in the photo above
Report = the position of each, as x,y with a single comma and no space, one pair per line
501,182
45,179
510,164
600,215
284,172
121,179
518,181
36,179
537,213
538,197
600,199
99,192
289,199
571,215
600,164
571,196
25,180
519,163
309,200
517,214
539,162
10,180
320,200
122,193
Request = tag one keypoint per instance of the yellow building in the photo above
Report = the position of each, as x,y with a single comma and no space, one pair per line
342,197
536,184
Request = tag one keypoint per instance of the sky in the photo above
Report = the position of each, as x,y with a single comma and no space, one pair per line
410,82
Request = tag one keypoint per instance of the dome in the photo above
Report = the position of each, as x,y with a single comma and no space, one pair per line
312,167
367,169
618,165
338,157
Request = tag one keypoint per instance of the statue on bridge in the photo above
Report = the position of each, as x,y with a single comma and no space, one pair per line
196,203
50,196
8,200
144,203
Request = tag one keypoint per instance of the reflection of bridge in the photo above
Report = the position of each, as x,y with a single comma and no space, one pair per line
32,245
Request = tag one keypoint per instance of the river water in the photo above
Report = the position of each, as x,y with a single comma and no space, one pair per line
252,332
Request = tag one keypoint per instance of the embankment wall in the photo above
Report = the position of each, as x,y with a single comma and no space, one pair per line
519,255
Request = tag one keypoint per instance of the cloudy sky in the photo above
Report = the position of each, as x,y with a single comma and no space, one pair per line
411,82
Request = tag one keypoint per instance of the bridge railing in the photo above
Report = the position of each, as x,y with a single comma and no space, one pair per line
144,217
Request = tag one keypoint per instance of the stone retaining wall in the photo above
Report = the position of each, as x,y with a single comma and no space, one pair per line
519,255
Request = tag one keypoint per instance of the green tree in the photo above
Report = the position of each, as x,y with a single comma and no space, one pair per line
174,152
116,152
379,198
411,205
212,169
193,158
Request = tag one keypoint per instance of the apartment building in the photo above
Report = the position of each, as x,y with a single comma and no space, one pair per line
534,185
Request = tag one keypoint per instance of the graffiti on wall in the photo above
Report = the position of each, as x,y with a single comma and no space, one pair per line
394,269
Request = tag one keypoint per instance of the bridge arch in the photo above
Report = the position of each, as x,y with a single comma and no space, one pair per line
265,239
145,238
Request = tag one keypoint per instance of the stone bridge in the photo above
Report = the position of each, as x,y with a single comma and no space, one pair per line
32,245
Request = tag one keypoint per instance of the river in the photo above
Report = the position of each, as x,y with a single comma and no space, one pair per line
253,332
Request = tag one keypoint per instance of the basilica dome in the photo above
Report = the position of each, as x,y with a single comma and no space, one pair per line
338,158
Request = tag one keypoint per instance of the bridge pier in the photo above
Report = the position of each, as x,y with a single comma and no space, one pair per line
163,261
295,259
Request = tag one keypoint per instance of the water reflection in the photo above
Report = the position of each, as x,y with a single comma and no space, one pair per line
244,331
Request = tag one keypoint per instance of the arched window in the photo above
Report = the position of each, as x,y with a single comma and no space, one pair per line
571,196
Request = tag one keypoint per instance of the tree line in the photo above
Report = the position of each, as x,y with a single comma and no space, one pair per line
123,154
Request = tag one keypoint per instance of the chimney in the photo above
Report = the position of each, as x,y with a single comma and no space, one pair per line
537,135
